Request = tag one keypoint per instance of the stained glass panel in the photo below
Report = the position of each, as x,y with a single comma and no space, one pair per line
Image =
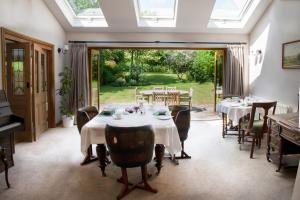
18,71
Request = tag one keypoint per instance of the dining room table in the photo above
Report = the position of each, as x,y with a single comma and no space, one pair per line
234,110
158,116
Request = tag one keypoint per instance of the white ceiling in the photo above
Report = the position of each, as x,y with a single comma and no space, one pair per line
192,17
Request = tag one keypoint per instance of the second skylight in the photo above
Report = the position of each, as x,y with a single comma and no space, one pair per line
156,13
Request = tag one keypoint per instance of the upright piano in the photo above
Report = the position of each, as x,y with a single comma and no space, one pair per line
9,124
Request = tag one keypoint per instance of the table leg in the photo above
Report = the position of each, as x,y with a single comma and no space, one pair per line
223,125
239,131
89,157
280,156
159,154
268,141
102,156
226,123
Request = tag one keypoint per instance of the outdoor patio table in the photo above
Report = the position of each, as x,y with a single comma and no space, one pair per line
166,134
150,92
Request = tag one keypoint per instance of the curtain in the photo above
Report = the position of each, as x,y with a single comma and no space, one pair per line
234,83
78,58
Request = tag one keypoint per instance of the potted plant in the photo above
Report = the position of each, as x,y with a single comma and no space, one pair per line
65,91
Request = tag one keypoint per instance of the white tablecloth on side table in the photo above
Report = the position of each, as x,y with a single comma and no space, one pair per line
165,131
234,110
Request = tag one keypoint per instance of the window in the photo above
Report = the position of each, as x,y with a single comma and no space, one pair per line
230,9
83,13
156,13
86,8
232,13
157,9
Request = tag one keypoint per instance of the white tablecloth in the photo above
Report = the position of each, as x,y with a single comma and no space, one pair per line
234,110
165,130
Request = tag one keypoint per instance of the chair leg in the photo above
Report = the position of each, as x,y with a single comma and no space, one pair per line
4,160
146,185
125,189
252,147
183,155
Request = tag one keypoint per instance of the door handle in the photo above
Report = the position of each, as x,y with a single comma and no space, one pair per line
27,85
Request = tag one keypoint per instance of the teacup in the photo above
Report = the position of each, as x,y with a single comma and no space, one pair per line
118,115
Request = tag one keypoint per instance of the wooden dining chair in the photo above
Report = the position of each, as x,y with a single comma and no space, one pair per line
84,115
170,88
182,119
131,147
159,98
158,88
5,163
138,96
172,98
255,129
186,99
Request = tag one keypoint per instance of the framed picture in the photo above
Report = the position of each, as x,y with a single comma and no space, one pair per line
291,55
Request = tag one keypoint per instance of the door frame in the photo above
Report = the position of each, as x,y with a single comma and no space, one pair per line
7,34
90,48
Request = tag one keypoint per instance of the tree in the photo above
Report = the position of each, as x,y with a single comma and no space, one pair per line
136,66
180,62
202,69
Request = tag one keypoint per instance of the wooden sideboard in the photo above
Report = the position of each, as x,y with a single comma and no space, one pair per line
283,139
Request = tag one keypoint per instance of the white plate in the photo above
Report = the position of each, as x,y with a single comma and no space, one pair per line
163,117
117,118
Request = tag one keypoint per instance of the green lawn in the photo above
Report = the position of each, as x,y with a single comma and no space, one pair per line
203,93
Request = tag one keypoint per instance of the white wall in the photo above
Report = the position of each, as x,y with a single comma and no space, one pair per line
33,18
279,24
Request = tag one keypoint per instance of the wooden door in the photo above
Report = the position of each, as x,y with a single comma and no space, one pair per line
40,90
18,85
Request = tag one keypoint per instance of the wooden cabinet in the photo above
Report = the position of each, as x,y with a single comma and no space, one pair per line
283,140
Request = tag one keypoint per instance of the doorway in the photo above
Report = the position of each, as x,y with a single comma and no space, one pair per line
27,78
113,81
40,96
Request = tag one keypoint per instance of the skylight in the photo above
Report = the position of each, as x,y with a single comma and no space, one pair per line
83,13
157,9
86,8
232,13
230,9
156,13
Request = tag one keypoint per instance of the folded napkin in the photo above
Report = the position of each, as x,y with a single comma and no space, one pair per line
107,112
160,112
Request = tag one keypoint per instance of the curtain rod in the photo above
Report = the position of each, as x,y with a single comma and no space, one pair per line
153,42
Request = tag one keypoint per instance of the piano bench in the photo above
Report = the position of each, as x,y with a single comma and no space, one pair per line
4,161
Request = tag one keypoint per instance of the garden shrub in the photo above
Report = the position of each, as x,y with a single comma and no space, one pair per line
198,73
107,76
132,82
120,82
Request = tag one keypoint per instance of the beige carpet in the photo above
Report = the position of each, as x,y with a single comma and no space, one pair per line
49,169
